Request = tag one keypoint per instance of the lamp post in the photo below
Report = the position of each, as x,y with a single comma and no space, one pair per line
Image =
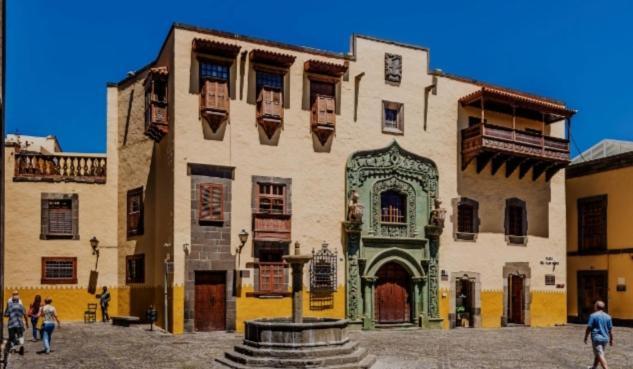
94,244
243,236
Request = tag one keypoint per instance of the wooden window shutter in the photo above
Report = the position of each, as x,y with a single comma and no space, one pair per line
216,95
135,212
515,217
60,218
270,102
211,202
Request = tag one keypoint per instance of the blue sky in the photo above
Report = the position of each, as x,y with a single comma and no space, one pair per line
61,54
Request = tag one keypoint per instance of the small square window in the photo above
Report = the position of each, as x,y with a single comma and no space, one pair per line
550,280
392,117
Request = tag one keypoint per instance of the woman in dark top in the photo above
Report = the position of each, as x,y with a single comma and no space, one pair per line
34,314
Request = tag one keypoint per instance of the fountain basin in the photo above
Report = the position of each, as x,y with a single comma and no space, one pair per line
283,333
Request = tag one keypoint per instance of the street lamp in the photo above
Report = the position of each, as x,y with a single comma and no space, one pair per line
94,243
243,235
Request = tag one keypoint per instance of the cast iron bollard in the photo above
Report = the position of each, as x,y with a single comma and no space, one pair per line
150,316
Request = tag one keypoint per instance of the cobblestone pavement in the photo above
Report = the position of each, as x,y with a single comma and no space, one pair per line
101,346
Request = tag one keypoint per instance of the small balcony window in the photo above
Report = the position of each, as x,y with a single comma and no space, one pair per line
467,219
323,107
516,221
156,120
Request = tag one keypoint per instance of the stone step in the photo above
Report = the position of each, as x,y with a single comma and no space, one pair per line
397,326
355,360
344,349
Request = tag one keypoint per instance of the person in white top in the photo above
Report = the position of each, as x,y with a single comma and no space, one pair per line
49,313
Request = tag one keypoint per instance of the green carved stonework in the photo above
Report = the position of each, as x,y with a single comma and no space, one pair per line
372,243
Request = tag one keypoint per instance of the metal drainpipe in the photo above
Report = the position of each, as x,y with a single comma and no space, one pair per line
3,7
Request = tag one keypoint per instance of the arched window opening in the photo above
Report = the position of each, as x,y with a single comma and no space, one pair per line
393,206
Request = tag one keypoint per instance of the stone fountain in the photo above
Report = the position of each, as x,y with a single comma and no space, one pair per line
297,342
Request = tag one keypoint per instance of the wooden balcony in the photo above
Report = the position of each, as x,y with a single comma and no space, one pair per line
215,103
271,227
270,110
156,123
498,145
35,167
323,117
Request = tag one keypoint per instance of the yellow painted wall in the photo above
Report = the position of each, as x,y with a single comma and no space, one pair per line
249,308
491,308
616,185
70,302
444,307
548,308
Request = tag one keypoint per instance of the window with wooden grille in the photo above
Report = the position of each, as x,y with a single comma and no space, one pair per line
592,223
550,279
210,202
135,219
60,218
271,270
271,198
516,220
467,216
393,206
392,117
269,95
59,270
135,268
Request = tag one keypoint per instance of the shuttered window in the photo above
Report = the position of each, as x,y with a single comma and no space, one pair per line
59,270
516,220
135,268
215,95
592,223
135,212
60,218
210,202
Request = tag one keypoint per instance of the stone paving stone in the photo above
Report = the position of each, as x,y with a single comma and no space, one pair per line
102,346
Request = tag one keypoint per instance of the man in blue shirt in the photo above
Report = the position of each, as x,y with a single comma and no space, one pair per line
599,326
16,313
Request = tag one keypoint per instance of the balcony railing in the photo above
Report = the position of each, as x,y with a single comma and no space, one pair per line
60,168
488,142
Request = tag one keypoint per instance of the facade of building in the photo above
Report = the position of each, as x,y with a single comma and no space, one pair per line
427,199
56,202
599,253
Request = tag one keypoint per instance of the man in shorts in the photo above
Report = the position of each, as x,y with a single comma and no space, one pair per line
599,326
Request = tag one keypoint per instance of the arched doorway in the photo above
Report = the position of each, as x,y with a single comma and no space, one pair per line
393,299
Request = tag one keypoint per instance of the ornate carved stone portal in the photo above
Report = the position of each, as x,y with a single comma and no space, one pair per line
393,68
374,241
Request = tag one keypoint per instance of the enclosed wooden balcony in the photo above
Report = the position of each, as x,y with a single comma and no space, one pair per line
215,102
271,227
35,167
323,117
524,150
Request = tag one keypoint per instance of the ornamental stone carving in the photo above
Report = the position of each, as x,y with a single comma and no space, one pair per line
354,209
389,162
393,68
438,215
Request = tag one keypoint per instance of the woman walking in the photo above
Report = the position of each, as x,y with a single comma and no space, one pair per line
34,314
50,317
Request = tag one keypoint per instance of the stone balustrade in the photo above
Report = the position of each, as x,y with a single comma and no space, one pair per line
61,167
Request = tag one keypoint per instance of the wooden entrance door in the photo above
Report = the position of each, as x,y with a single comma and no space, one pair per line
210,301
392,294
592,286
515,307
